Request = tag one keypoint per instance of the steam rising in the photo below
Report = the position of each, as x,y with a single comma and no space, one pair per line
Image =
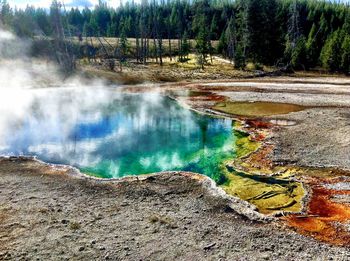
26,83
96,128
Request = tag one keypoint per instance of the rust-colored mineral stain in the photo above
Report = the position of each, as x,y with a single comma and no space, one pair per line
328,211
206,96
326,220
258,124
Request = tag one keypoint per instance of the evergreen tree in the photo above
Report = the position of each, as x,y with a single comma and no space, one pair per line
230,35
214,27
202,46
102,18
6,14
331,52
295,43
299,54
123,46
262,31
222,45
345,58
185,47
242,30
43,21
200,27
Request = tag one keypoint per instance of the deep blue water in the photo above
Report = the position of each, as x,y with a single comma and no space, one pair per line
109,134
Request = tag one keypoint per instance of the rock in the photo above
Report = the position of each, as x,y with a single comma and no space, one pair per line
208,247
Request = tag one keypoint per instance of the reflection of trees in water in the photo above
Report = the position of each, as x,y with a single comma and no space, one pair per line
123,133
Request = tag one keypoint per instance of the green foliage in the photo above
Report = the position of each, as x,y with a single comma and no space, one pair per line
264,33
331,52
302,33
231,38
240,61
296,53
299,54
200,27
185,48
222,45
345,58
203,46
6,14
123,45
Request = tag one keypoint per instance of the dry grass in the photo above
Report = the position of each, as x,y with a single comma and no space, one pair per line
163,220
74,226
113,42
171,71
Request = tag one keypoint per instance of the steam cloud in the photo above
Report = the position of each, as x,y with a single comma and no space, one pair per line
26,82
93,126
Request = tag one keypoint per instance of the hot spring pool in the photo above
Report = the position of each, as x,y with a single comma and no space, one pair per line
110,134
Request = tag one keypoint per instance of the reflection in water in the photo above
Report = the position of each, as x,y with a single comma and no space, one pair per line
109,134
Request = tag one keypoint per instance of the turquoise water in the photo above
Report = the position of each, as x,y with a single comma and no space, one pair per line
109,134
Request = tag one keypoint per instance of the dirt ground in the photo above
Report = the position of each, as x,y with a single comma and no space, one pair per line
48,214
320,134
171,71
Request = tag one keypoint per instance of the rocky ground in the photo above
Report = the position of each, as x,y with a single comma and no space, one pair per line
320,134
320,138
49,214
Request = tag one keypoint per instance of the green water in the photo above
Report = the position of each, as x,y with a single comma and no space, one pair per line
112,135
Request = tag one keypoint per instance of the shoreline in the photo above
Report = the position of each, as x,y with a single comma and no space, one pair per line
275,139
53,214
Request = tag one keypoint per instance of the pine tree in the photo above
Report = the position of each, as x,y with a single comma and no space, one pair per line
185,47
222,45
299,54
230,34
123,46
331,52
200,27
6,14
315,43
264,32
64,55
294,46
345,58
202,46
214,27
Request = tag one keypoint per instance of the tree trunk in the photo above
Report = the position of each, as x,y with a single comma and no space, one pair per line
170,54
137,50
155,49
160,51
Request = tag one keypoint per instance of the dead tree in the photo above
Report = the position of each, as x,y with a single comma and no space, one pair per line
109,57
63,49
293,24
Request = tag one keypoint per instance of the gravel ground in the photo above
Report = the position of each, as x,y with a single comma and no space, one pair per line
47,214
306,99
320,139
321,136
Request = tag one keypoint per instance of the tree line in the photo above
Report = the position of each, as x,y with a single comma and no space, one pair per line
298,34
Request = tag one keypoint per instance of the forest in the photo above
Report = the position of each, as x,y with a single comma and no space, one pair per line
296,34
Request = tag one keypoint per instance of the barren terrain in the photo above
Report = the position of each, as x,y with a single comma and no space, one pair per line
49,214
